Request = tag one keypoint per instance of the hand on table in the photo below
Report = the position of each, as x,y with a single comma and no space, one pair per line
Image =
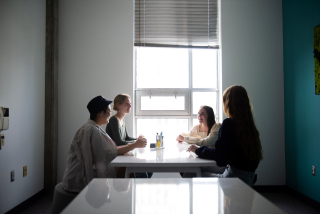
140,142
180,138
193,148
141,136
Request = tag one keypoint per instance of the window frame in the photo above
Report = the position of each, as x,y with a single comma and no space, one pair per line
162,93
188,113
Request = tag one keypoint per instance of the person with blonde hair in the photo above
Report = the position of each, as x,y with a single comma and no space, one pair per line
92,150
117,128
238,145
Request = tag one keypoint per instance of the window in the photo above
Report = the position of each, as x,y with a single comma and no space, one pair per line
176,64
160,104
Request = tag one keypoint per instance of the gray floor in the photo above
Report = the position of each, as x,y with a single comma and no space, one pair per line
42,206
288,203
165,175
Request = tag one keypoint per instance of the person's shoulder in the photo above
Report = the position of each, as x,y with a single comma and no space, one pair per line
215,128
90,124
87,128
195,128
113,119
217,125
228,122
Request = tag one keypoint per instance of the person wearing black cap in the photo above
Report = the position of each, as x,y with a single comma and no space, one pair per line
92,149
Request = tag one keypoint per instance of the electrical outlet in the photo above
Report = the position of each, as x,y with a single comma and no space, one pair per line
314,170
24,171
12,175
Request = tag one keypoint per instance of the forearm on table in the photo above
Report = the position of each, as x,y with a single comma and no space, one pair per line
126,148
206,153
190,139
121,146
130,140
208,141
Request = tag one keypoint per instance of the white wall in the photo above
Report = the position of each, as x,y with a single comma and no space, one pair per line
252,56
95,58
22,81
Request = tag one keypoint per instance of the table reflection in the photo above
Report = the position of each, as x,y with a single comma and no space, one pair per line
159,158
206,195
162,196
234,199
122,185
155,196
197,195
169,196
101,190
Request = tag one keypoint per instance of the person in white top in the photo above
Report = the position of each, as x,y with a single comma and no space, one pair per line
92,150
203,134
206,132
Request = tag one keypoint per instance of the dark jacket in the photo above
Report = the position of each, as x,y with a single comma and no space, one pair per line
227,149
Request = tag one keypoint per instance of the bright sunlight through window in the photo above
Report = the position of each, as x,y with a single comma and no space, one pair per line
171,85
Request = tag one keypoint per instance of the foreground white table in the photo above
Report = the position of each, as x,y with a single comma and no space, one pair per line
179,195
173,158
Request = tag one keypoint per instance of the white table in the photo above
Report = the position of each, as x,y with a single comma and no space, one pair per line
178,195
173,158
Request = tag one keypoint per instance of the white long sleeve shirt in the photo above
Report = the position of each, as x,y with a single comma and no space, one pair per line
202,138
89,157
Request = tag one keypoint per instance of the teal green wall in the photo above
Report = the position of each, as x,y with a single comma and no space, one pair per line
302,106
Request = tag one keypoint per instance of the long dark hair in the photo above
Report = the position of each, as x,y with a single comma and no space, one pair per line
211,117
238,108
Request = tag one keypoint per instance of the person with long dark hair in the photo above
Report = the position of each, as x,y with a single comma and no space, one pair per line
206,132
238,145
203,134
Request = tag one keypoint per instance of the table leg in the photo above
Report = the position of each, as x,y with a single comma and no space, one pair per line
128,171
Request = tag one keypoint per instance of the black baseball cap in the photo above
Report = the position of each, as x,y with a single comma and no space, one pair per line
96,105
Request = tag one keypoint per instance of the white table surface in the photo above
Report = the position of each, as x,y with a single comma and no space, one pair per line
178,195
172,158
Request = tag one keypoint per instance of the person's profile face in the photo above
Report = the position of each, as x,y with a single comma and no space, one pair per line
106,115
202,116
125,106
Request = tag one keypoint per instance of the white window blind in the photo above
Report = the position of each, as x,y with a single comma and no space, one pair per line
177,23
